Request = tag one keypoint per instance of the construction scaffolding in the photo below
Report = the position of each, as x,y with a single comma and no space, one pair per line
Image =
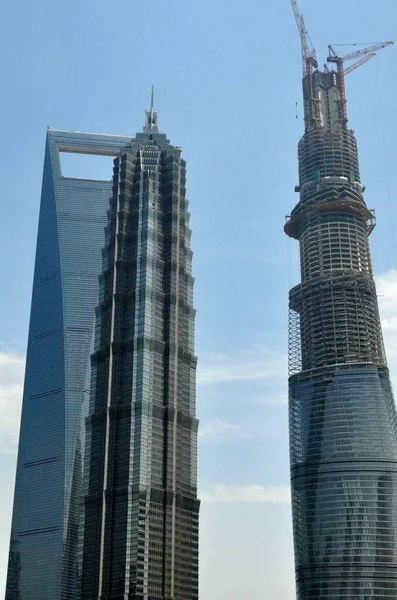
334,315
334,320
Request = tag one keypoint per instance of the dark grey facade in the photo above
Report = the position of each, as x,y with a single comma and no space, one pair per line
343,426
141,507
44,536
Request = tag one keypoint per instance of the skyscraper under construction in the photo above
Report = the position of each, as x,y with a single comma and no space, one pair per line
343,425
141,506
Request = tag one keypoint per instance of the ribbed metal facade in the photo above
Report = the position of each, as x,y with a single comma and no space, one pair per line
343,426
44,536
141,507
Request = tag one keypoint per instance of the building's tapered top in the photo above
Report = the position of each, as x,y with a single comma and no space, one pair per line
151,117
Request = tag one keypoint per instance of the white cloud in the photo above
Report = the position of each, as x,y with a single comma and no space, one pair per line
264,364
248,493
12,368
386,285
273,397
259,363
219,431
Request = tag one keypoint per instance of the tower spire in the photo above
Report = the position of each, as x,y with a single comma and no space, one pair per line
151,117
152,101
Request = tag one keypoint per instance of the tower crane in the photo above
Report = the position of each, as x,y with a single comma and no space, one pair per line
309,62
333,57
364,54
359,63
307,55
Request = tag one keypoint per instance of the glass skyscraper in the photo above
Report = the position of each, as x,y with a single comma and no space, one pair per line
141,506
110,354
43,548
343,426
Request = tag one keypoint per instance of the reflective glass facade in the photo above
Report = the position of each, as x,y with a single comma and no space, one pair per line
141,506
43,548
344,483
343,425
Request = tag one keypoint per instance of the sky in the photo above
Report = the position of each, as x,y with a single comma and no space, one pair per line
227,85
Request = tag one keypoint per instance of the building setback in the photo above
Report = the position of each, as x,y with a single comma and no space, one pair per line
43,549
343,426
141,507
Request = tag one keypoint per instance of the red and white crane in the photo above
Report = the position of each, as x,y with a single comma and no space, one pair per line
309,62
359,63
364,54
308,56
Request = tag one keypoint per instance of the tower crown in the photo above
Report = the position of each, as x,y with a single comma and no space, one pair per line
151,117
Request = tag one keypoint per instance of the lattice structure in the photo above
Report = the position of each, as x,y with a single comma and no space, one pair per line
294,343
339,321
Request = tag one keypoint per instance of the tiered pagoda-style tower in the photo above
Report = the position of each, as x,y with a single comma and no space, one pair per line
141,506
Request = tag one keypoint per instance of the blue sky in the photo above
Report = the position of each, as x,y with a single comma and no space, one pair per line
227,79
